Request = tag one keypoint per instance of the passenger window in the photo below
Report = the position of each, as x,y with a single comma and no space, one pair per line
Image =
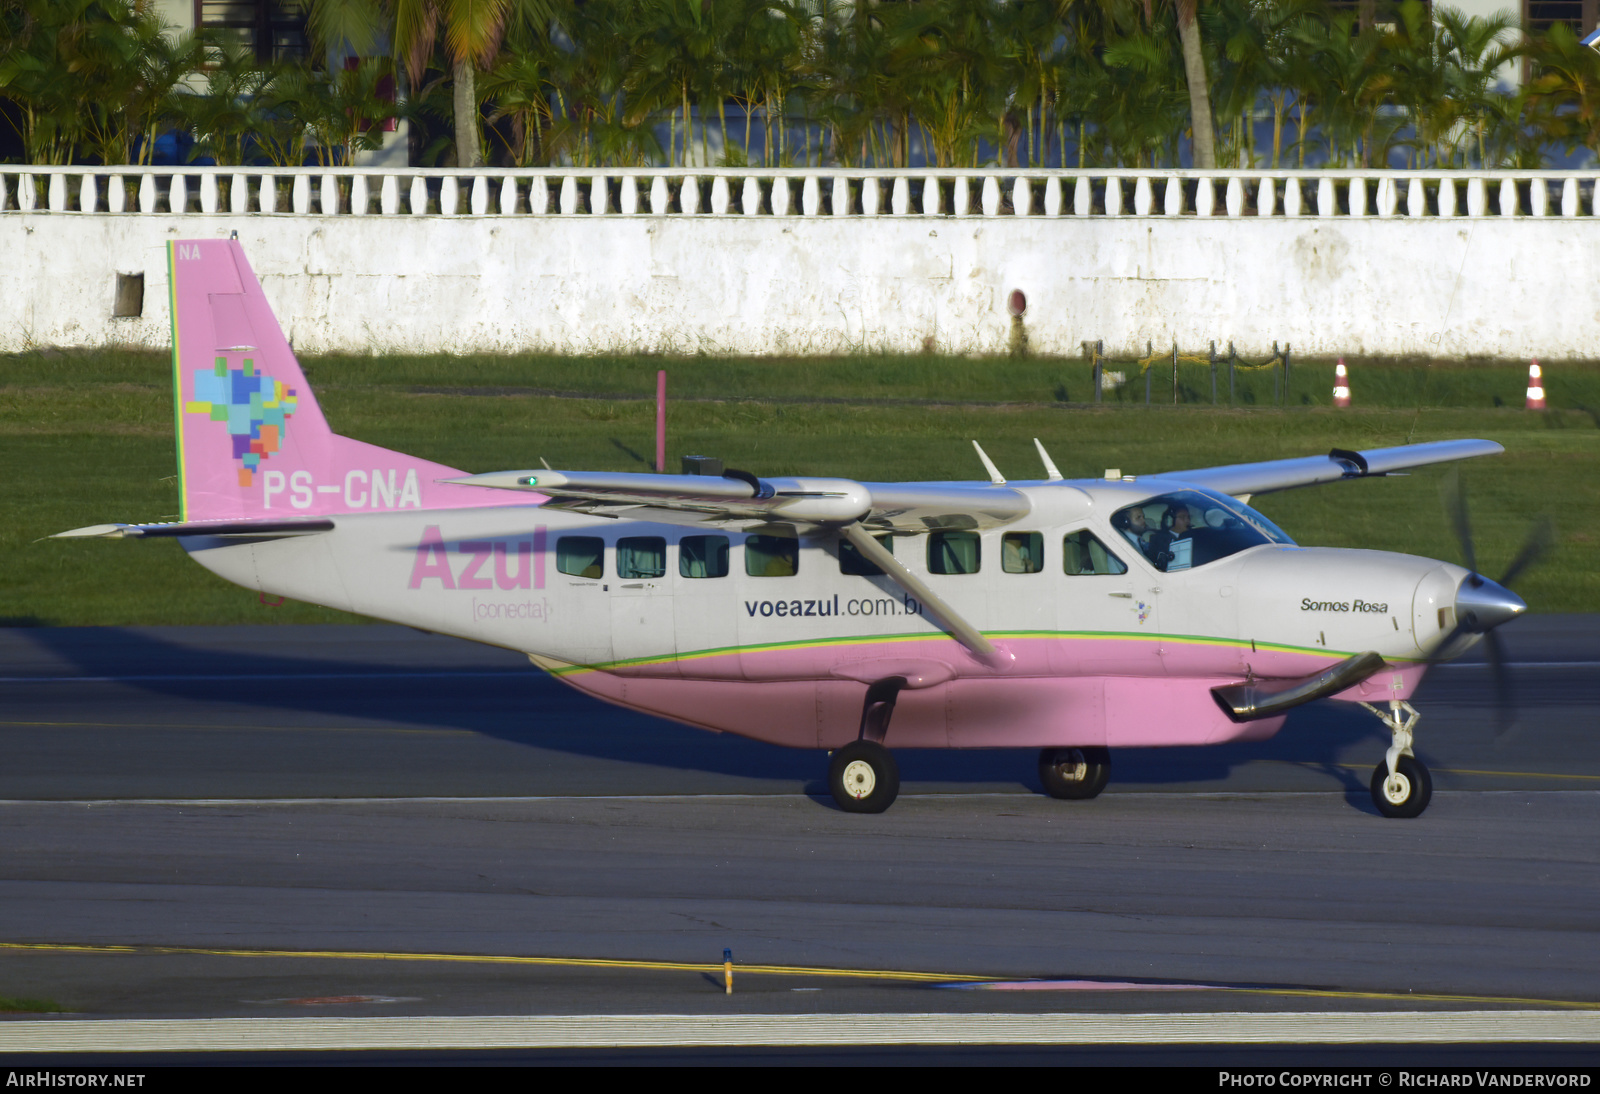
1022,552
581,556
641,556
954,553
852,563
1082,553
703,556
771,556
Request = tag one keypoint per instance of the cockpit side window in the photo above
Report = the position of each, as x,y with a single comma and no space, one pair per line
1082,555
1189,528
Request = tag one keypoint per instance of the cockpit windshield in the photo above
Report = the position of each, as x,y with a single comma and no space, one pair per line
1189,528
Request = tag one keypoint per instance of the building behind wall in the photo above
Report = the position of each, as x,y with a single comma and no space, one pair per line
275,30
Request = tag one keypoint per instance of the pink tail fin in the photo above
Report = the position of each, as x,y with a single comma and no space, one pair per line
252,441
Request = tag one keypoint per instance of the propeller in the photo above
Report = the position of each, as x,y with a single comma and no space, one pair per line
1481,604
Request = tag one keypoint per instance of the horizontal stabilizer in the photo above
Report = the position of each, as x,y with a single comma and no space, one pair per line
253,529
1265,698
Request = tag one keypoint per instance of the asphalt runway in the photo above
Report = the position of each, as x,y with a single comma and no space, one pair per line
255,822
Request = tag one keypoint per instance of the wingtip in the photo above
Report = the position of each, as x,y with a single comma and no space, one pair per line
92,531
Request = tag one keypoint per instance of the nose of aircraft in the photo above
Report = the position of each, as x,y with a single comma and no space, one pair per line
1482,605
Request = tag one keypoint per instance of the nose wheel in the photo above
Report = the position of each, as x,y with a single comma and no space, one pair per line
1404,791
863,777
1401,785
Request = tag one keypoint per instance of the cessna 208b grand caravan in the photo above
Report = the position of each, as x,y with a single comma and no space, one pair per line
1072,616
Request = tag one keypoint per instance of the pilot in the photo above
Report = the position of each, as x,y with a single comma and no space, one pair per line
1131,523
1174,526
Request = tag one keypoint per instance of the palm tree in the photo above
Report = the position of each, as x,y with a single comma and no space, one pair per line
1564,95
1201,124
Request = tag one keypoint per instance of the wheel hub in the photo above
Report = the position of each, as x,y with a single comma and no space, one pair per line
859,779
1397,788
1073,767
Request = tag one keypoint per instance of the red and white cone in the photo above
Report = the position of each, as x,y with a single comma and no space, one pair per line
1535,386
1341,385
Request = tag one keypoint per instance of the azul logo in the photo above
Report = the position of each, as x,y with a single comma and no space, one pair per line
518,562
254,408
358,490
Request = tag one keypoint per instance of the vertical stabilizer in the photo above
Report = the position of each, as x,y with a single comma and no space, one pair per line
252,441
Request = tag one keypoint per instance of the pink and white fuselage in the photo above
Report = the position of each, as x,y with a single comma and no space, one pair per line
1111,659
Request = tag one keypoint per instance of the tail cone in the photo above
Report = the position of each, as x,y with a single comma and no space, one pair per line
1535,386
1341,385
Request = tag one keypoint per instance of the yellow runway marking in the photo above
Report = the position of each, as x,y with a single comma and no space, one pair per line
1318,765
506,959
898,975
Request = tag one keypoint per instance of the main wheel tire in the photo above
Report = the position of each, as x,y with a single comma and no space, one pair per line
863,777
1074,773
1404,794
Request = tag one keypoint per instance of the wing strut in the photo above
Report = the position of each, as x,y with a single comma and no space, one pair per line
962,631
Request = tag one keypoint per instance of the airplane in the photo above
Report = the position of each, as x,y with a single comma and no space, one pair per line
1070,616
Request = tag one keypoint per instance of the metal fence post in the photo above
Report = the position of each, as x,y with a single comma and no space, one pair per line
1213,372
1099,372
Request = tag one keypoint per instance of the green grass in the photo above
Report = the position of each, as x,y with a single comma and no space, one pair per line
86,438
12,1005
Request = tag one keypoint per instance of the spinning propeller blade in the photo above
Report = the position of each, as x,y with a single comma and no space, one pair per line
1455,503
1479,607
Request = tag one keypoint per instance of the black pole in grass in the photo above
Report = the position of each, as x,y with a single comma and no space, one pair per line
1277,385
1232,357
1099,372
1213,372
1149,352
1174,372
1286,352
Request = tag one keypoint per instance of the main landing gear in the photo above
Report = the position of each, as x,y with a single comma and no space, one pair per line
862,776
1401,786
1074,773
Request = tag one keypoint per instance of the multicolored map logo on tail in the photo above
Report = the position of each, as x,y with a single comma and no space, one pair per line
255,407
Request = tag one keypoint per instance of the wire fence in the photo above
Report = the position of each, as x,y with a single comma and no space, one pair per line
1113,385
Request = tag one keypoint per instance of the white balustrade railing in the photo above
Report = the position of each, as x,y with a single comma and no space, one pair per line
796,192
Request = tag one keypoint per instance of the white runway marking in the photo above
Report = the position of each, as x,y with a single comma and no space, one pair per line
672,1030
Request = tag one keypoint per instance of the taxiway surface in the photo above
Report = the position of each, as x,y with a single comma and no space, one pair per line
297,794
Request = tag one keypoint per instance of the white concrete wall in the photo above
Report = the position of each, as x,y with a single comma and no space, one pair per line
1504,287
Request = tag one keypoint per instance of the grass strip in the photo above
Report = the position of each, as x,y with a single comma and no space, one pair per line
87,438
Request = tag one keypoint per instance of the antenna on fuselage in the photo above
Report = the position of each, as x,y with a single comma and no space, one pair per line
988,465
1051,471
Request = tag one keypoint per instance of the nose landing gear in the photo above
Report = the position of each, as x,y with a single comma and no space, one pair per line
1401,785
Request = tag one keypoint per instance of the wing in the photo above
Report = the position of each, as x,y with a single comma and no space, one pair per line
1264,478
738,499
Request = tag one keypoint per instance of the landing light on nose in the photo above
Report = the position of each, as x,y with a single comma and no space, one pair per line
1482,605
